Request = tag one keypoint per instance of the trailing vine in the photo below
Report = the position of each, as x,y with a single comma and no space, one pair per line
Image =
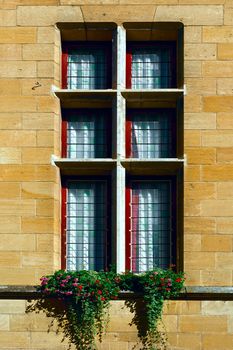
80,301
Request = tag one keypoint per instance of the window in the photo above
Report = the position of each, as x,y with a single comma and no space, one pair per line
86,65
86,133
150,65
86,220
122,148
150,133
149,205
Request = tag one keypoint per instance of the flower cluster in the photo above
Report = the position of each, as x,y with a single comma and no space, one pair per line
81,285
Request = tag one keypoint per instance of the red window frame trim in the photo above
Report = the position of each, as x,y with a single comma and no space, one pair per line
105,45
64,188
67,113
136,44
131,112
173,180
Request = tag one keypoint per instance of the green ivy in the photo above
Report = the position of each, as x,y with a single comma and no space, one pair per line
85,299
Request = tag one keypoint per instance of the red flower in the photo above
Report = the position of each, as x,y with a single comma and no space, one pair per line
97,281
179,280
80,287
102,298
99,292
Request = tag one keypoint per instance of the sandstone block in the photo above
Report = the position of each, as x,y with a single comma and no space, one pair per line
45,69
228,17
47,15
217,103
37,190
217,307
224,225
217,207
202,2
216,341
192,69
225,51
45,138
10,120
17,243
192,243
9,306
194,323
118,14
9,190
200,52
224,86
104,2
199,260
10,259
216,243
45,207
17,207
200,121
192,138
38,121
182,307
185,339
218,34
17,35
225,190
225,155
38,52
217,172
10,224
24,138
201,190
201,155
192,103
199,225
44,242
216,277
17,69
48,104
224,261
37,259
9,52
217,138
192,173
36,87
192,34
18,104
191,207
217,69
46,35
197,86
37,225
36,155
191,15
10,155
7,18
14,339
14,276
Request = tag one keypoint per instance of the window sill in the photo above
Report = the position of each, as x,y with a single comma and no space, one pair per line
189,293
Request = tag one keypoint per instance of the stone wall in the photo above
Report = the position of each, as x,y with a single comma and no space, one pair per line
191,325
30,185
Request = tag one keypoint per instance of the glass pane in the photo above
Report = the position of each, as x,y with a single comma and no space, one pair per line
87,69
150,225
151,68
86,225
87,136
151,135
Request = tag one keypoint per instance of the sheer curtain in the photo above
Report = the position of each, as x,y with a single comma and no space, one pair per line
151,135
86,136
150,240
151,68
86,225
87,69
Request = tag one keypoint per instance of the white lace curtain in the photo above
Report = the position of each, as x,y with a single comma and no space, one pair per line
86,225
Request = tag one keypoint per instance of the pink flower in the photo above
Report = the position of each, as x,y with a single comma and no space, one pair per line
62,285
69,293
75,284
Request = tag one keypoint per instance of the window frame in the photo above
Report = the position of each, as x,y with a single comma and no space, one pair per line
105,45
173,209
148,44
64,192
131,112
67,113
